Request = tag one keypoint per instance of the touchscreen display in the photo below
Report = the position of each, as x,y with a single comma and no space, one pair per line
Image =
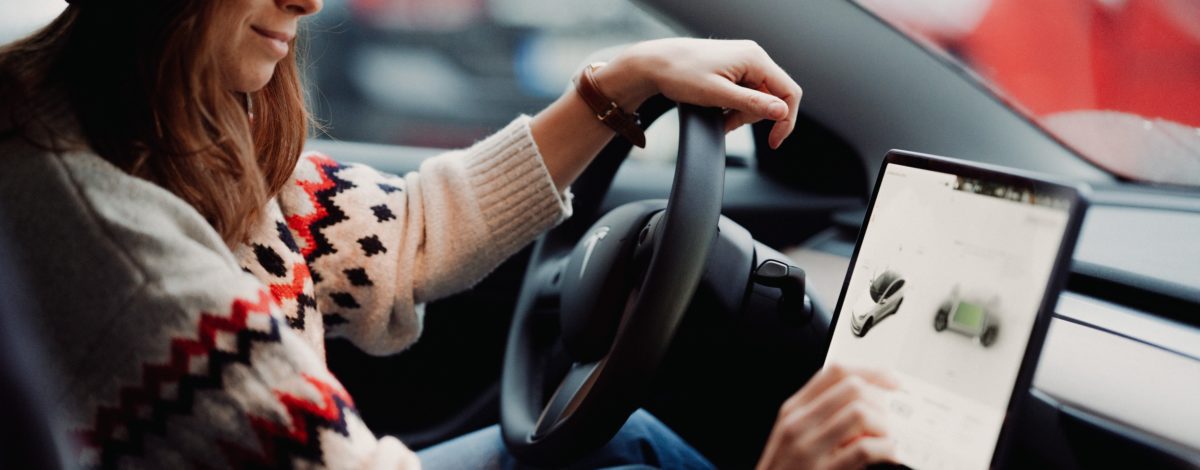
944,292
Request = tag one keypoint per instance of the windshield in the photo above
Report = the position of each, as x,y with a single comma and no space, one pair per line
1117,80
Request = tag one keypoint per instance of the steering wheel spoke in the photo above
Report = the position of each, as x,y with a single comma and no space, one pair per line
571,391
546,287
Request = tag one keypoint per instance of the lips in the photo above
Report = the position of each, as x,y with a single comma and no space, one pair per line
269,34
276,40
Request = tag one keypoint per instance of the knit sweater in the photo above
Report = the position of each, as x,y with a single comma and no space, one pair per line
173,350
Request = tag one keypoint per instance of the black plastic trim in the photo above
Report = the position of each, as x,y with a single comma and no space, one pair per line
1137,292
1135,339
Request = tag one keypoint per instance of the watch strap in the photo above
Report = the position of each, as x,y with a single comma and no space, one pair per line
608,111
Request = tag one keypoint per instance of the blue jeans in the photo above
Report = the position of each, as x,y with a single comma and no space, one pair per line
643,442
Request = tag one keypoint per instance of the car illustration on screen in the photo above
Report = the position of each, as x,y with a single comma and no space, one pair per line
968,316
886,295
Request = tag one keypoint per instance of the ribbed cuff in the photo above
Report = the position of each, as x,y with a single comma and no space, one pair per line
516,195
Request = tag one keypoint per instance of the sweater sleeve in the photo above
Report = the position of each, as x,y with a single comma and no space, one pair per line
165,353
225,382
378,246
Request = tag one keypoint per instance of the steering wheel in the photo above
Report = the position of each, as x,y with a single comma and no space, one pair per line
593,322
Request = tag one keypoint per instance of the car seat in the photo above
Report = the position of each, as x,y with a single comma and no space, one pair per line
30,434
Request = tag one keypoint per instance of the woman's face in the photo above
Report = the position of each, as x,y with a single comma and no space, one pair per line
255,35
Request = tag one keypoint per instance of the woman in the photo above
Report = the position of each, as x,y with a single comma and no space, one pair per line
189,262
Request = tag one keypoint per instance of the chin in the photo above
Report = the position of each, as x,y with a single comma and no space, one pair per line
261,81
254,80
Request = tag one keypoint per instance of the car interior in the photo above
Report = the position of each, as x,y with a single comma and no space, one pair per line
1117,377
1118,366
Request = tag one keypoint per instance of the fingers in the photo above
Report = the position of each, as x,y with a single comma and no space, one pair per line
852,390
832,375
849,423
735,75
736,119
780,84
762,91
824,378
862,452
840,419
822,381
753,104
877,377
839,409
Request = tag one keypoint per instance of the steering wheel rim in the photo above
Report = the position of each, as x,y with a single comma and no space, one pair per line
596,395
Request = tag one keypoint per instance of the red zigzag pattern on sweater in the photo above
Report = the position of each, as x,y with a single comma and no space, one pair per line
304,414
303,224
155,376
283,292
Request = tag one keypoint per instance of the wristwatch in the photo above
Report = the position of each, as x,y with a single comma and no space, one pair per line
607,110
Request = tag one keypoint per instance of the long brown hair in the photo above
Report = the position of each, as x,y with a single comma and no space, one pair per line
137,82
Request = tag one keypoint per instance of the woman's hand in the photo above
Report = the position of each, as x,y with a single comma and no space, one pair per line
834,422
736,75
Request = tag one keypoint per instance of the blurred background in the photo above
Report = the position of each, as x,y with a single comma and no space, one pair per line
446,73
439,74
1116,80
21,17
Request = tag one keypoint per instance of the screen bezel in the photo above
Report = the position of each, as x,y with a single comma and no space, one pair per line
1075,194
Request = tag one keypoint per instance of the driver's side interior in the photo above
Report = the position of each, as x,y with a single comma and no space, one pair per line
719,357
722,383
727,370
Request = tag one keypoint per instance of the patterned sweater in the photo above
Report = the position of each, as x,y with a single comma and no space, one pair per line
172,350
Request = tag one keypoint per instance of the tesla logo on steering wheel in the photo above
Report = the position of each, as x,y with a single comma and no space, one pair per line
592,241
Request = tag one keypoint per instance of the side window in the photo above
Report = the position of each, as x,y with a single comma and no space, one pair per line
445,73
894,288
19,18
1117,80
